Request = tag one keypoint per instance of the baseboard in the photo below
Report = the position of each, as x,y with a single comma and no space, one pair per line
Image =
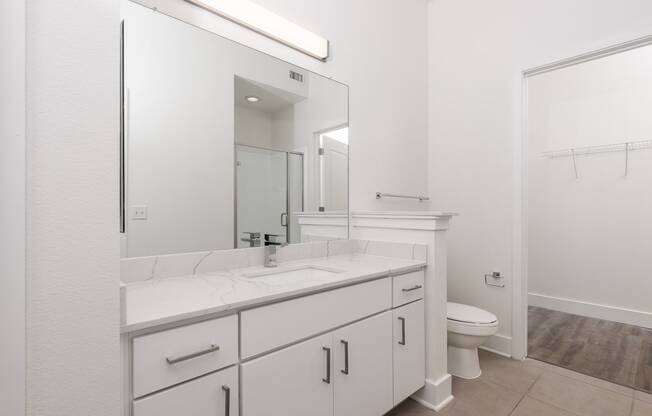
435,395
499,344
592,310
437,408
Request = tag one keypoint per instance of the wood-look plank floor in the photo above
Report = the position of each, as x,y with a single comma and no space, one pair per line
612,351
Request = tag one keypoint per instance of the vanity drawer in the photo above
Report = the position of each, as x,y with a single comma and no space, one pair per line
407,288
213,395
170,357
269,327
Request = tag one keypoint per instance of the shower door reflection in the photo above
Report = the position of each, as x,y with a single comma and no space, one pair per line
269,189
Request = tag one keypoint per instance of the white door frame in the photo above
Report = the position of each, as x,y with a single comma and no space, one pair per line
520,182
316,166
12,213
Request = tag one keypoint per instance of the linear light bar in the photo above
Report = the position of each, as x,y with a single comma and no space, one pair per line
261,20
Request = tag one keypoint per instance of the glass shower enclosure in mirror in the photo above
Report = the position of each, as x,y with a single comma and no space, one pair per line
224,146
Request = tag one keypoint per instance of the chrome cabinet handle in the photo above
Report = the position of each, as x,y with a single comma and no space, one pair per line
327,380
402,341
227,400
284,220
410,289
174,360
346,357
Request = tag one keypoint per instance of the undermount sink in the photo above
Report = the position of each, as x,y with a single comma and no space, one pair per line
291,274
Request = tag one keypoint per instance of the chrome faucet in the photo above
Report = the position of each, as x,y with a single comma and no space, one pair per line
253,238
270,249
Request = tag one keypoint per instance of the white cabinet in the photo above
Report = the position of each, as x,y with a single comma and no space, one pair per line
169,357
295,381
363,367
409,350
215,394
268,327
407,288
347,372
347,353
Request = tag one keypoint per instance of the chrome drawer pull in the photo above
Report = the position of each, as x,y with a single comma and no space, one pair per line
410,289
174,360
402,341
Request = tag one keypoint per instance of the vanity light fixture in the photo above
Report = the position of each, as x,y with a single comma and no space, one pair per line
252,98
261,20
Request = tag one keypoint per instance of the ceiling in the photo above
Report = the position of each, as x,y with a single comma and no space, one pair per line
271,99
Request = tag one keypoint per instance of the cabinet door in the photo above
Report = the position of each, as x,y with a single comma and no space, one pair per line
294,381
212,395
409,350
363,367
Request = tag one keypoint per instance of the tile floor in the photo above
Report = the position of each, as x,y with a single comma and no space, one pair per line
533,388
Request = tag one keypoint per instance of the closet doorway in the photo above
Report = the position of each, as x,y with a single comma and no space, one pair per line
589,222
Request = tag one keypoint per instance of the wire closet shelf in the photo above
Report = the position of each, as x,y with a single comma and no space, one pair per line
605,148
625,147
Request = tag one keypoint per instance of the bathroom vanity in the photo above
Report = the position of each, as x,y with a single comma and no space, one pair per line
227,156
337,334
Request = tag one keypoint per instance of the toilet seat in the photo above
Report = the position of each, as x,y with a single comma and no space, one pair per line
469,320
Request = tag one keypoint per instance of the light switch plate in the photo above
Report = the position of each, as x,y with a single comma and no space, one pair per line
139,212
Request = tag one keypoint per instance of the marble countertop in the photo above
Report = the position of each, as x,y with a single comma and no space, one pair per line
161,301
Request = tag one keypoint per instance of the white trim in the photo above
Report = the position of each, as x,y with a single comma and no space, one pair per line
325,214
592,310
520,178
12,215
401,220
590,56
435,395
520,234
493,351
405,214
499,344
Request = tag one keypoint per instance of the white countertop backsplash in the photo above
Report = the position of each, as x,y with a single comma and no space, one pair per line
164,289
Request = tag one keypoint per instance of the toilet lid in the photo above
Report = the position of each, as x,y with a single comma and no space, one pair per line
469,314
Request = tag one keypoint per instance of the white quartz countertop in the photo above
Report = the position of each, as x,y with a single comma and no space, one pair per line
159,301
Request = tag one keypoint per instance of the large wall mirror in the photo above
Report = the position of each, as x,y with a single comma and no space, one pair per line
223,145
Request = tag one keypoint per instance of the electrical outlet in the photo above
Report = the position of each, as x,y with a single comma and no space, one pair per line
139,212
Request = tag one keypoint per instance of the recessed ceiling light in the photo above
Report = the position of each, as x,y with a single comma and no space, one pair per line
252,98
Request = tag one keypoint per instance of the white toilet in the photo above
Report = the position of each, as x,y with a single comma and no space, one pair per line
468,328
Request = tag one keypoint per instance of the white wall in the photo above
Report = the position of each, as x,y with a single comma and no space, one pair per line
296,127
173,158
383,60
476,53
253,127
324,110
589,238
72,224
180,137
12,211
180,150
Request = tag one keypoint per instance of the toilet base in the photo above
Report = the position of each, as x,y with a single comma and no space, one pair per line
463,362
